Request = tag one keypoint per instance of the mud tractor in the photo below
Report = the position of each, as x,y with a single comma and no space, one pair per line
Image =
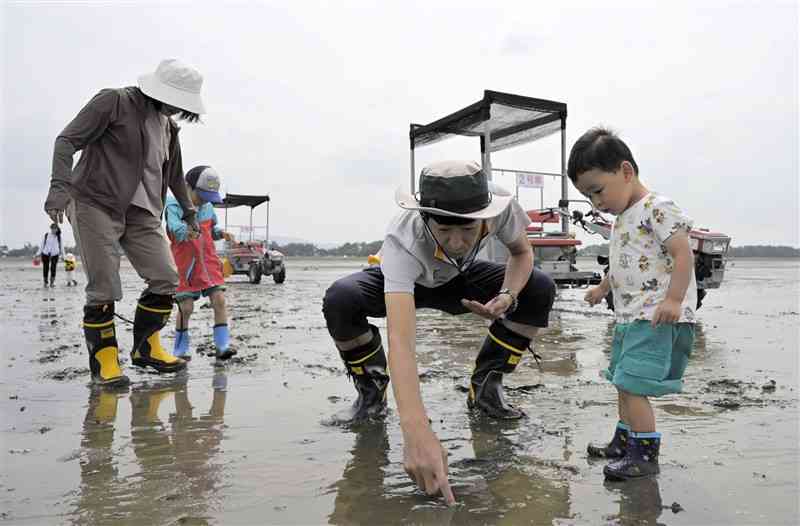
251,257
504,120
709,248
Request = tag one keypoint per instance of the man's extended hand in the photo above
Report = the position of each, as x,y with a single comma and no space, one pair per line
493,309
425,461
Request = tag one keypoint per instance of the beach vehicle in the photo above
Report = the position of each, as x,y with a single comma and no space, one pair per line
503,120
252,256
710,249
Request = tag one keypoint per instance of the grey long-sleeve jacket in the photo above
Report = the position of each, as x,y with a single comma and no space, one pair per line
110,132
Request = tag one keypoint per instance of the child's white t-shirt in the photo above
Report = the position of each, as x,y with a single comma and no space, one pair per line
640,266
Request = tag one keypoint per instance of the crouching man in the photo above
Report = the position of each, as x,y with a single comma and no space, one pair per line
428,260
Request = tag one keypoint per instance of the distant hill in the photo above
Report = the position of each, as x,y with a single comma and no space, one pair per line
745,251
593,250
764,251
310,249
292,246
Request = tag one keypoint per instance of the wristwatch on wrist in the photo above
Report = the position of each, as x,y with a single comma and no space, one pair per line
514,301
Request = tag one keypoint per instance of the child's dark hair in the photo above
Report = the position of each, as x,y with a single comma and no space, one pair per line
601,149
184,115
446,220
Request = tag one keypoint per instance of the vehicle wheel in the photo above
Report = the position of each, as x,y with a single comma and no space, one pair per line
254,274
280,276
610,301
701,293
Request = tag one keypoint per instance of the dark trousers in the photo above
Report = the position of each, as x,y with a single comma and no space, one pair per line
351,299
49,264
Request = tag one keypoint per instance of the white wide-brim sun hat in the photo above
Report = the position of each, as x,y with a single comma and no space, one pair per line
456,189
176,84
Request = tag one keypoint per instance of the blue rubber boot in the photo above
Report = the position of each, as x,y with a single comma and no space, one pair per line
182,349
222,342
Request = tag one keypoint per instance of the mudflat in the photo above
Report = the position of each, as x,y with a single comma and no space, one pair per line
246,443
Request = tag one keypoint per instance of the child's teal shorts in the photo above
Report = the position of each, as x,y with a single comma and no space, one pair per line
650,361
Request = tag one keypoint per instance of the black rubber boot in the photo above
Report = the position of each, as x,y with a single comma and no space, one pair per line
640,460
501,352
101,341
152,314
614,449
366,366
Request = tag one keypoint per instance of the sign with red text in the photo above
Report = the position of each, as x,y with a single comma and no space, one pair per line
526,180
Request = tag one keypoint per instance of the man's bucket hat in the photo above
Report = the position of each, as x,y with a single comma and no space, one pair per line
176,84
455,188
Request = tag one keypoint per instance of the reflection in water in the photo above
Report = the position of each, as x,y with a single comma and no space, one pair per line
178,475
639,501
499,485
362,479
509,487
48,318
99,472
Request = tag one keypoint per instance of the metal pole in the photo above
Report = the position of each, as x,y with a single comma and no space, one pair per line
412,171
267,234
486,160
251,224
564,185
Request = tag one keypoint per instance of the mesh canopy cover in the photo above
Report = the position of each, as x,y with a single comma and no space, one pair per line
512,120
234,200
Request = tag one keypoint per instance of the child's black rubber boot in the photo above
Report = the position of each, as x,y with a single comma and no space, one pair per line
640,460
615,448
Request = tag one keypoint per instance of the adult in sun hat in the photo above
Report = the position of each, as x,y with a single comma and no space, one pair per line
199,267
114,197
428,260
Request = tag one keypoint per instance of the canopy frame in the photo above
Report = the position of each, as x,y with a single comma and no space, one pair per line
500,120
237,200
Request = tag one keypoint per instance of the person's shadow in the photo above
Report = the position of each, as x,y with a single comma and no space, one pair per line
178,470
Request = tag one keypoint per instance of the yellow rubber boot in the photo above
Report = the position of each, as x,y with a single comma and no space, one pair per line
152,314
101,341
106,409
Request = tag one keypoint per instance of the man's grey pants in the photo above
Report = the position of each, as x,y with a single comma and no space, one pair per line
141,236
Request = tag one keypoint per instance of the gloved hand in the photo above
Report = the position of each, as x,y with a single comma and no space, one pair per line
193,227
56,203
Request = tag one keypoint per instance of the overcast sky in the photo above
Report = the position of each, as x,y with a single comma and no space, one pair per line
311,102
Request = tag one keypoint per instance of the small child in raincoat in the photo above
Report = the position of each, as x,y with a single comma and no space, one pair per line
69,269
199,267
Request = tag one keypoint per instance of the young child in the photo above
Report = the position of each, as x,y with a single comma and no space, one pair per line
199,267
69,269
652,278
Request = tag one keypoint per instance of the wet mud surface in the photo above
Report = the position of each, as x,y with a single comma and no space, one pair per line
246,444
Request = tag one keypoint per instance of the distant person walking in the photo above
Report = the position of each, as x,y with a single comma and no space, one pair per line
49,252
115,197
